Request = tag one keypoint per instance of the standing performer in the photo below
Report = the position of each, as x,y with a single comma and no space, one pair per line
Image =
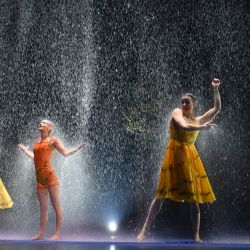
47,180
5,200
182,176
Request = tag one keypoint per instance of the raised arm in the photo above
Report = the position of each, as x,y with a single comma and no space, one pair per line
59,147
179,120
26,151
211,113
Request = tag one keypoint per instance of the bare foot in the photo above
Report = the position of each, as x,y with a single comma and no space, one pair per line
55,236
38,237
141,236
197,239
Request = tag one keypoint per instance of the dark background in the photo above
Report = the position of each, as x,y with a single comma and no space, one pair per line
112,71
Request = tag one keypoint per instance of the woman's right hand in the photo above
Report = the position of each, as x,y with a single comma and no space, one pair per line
21,146
26,151
208,125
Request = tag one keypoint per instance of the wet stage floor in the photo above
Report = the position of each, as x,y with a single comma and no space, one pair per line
77,245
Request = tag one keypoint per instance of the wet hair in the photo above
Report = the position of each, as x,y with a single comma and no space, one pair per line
194,100
50,123
191,96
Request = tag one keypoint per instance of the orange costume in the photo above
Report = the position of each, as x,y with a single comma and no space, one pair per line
45,173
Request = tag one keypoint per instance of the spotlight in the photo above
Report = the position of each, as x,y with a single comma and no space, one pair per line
112,247
112,226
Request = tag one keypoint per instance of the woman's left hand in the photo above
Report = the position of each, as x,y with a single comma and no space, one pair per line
84,144
216,82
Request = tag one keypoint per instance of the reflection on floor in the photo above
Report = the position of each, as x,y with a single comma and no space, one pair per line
77,245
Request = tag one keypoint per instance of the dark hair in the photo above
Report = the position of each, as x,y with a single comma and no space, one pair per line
191,96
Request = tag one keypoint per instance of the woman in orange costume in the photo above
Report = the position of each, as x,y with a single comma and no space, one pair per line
182,176
47,180
5,200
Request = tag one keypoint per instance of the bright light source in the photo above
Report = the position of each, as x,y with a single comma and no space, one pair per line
112,226
112,247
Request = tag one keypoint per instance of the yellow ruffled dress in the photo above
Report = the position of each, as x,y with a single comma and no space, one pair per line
182,176
5,200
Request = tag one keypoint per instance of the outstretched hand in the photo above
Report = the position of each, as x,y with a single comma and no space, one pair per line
21,146
208,125
83,145
216,82
26,151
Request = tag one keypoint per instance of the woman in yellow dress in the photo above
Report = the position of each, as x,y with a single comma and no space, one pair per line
182,176
5,200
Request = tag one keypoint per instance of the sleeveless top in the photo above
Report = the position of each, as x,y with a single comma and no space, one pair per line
181,135
43,153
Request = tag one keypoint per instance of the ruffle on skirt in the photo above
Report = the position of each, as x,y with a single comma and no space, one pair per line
182,176
5,200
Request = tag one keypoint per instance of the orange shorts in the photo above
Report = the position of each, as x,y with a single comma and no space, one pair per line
46,177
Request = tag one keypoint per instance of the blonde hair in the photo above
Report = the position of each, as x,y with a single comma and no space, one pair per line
50,123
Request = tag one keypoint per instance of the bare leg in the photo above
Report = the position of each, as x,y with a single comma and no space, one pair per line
54,197
42,195
195,219
154,209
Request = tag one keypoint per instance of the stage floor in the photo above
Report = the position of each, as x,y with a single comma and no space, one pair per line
77,245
